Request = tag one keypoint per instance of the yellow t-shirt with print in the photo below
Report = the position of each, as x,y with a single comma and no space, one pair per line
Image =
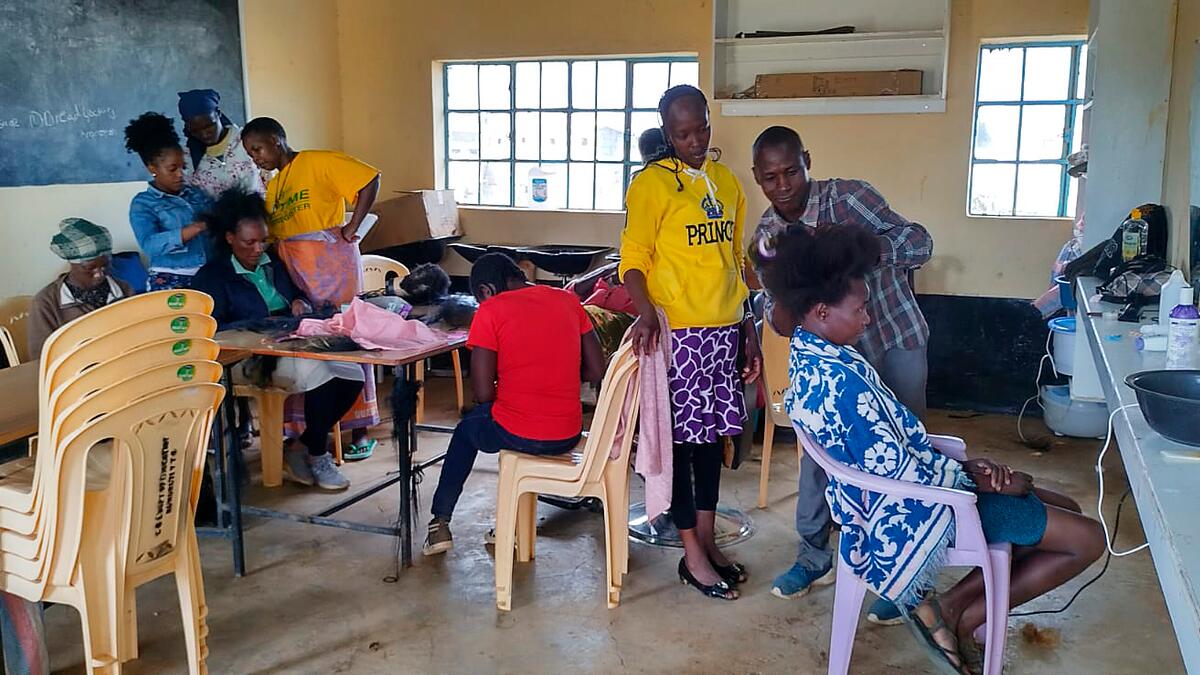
310,193
687,244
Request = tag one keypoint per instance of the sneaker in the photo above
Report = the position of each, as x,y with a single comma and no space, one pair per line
884,613
799,580
295,466
489,537
326,474
439,539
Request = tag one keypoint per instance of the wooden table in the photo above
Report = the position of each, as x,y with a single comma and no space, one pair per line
405,430
18,391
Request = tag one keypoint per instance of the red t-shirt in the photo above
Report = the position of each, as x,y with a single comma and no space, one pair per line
535,333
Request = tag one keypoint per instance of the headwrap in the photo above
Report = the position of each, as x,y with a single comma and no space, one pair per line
80,240
197,102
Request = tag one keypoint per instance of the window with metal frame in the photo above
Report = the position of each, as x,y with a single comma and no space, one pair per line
551,133
1028,105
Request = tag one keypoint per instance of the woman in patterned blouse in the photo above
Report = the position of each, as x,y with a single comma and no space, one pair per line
896,545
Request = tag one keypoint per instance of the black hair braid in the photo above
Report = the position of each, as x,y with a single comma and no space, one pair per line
495,270
149,135
233,206
814,265
669,97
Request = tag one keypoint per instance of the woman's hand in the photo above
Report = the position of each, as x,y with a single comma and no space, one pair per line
999,478
192,230
300,307
752,352
350,232
645,332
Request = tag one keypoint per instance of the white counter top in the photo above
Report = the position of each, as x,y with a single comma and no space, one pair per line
1167,491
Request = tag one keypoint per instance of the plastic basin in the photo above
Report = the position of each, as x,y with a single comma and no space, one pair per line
1170,402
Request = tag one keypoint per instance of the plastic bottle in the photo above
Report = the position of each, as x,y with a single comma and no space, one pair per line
1182,333
1168,296
1134,233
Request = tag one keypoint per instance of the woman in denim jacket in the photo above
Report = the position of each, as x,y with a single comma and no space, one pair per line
166,216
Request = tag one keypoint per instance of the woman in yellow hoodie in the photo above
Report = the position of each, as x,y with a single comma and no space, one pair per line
681,251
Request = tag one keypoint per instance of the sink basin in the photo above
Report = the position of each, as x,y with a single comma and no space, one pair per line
471,252
421,252
563,260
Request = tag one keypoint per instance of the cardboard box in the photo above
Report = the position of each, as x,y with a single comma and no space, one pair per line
848,83
412,216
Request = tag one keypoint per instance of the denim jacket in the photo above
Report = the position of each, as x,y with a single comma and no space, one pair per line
158,219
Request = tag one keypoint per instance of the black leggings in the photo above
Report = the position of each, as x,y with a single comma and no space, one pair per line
703,460
323,407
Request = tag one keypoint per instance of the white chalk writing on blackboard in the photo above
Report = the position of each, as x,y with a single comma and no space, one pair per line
11,123
76,113
96,133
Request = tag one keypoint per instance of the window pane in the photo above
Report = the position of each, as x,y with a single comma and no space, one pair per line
1038,188
463,129
1000,74
528,84
496,135
1042,131
521,196
554,136
463,178
1077,130
554,84
1072,196
611,83
996,132
582,176
528,135
583,84
685,73
583,136
610,136
1081,85
609,186
556,184
639,122
992,189
494,87
496,184
649,82
1047,73
462,86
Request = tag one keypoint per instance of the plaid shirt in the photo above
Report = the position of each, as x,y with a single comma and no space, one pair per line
896,320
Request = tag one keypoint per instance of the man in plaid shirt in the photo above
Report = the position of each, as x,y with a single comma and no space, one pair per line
895,342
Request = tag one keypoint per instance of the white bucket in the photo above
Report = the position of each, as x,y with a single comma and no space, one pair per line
1068,417
1063,329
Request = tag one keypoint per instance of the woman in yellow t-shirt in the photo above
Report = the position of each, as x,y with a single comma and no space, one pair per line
681,252
307,201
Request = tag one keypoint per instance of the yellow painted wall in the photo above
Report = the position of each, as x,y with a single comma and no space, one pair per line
292,66
1177,195
918,161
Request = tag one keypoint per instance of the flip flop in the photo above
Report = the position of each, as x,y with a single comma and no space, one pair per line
971,654
938,655
360,451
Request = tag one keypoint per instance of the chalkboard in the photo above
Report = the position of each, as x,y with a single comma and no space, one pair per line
74,72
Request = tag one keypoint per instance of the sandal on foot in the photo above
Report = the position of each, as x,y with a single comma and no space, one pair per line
360,451
720,590
971,654
733,573
943,657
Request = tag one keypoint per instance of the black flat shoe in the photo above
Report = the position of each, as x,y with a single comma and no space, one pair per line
733,573
719,590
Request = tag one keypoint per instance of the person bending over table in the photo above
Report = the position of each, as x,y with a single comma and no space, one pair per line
817,278
246,284
215,159
307,201
86,286
528,345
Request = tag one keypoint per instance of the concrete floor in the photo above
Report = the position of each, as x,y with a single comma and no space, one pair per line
315,599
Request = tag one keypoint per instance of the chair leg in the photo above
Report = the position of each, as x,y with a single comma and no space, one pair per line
458,380
847,603
128,637
611,554
506,530
996,597
270,437
420,373
337,444
765,472
526,526
191,593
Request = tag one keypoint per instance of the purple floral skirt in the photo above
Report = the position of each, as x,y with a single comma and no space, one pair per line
707,400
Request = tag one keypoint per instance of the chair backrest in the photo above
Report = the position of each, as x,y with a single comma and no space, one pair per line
11,356
14,315
620,385
776,352
378,269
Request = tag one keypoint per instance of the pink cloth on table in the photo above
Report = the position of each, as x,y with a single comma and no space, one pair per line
612,298
654,455
372,328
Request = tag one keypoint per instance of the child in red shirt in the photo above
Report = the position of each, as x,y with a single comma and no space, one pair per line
528,344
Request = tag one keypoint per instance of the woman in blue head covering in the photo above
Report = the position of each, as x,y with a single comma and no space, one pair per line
215,160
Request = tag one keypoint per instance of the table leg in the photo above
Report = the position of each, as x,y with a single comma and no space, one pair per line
231,458
405,445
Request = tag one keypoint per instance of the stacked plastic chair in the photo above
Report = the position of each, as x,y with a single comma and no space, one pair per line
593,472
127,397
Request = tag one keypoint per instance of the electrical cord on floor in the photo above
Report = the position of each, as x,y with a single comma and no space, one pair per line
1037,386
1108,541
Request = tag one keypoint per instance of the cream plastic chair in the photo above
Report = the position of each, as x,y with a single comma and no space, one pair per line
590,473
776,349
14,316
270,404
139,528
376,270
11,355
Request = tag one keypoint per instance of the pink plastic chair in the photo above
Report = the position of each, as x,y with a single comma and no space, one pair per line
969,550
